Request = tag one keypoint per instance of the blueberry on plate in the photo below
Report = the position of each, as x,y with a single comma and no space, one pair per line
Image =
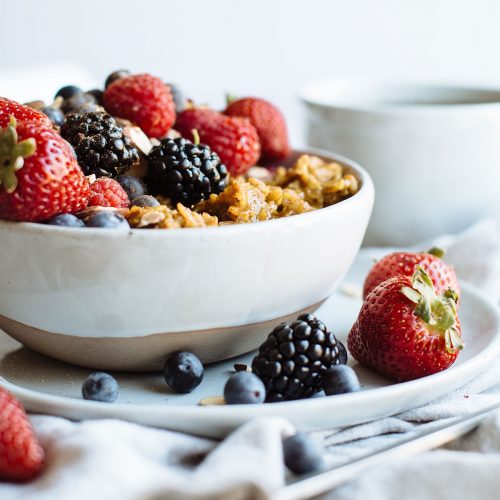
116,75
100,386
68,91
107,219
302,454
82,102
183,371
342,353
244,388
55,115
66,220
133,186
340,379
145,200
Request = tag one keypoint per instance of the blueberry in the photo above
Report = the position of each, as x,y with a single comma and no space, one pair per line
68,91
340,379
342,353
183,371
100,386
145,201
116,75
244,388
79,102
133,186
97,93
108,219
178,97
302,454
55,115
66,220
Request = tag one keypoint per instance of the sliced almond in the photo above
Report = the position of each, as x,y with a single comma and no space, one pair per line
151,218
212,401
138,138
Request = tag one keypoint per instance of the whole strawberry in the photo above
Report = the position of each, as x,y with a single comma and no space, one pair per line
235,140
270,124
21,456
39,175
403,264
21,113
405,331
106,192
143,99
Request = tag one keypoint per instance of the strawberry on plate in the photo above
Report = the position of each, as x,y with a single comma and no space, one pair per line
403,264
21,456
39,174
143,99
270,124
234,139
405,330
21,113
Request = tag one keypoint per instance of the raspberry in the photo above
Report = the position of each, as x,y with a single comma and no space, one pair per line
21,456
106,192
143,99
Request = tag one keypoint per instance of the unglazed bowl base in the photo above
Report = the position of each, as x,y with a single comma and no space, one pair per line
145,353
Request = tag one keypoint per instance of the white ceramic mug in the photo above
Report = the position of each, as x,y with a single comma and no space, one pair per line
433,151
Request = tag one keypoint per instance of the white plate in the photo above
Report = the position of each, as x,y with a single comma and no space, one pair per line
48,386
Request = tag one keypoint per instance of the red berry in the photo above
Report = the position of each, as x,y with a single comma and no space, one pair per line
105,192
143,99
403,264
21,113
39,174
235,140
21,456
405,331
270,124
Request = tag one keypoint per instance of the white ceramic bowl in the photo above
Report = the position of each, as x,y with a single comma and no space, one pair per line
122,300
433,151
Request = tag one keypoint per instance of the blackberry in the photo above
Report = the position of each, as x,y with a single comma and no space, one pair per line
185,172
293,359
100,145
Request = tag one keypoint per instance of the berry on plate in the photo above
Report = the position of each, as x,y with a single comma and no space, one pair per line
68,91
21,456
100,145
270,124
405,330
21,113
340,379
234,139
403,264
116,75
183,371
145,200
39,175
55,115
244,388
142,99
302,454
133,186
105,192
293,359
100,386
185,172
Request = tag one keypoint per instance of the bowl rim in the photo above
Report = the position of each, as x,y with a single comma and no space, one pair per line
313,94
366,191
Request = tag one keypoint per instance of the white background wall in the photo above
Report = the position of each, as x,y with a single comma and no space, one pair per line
262,47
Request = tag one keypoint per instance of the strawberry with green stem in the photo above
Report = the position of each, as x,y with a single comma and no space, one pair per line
405,330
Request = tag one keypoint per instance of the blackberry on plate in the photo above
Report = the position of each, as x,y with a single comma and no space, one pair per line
293,359
185,172
100,145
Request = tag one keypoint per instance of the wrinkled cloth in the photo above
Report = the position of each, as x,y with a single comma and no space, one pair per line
110,459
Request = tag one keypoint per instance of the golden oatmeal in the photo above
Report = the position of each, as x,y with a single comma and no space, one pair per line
310,184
